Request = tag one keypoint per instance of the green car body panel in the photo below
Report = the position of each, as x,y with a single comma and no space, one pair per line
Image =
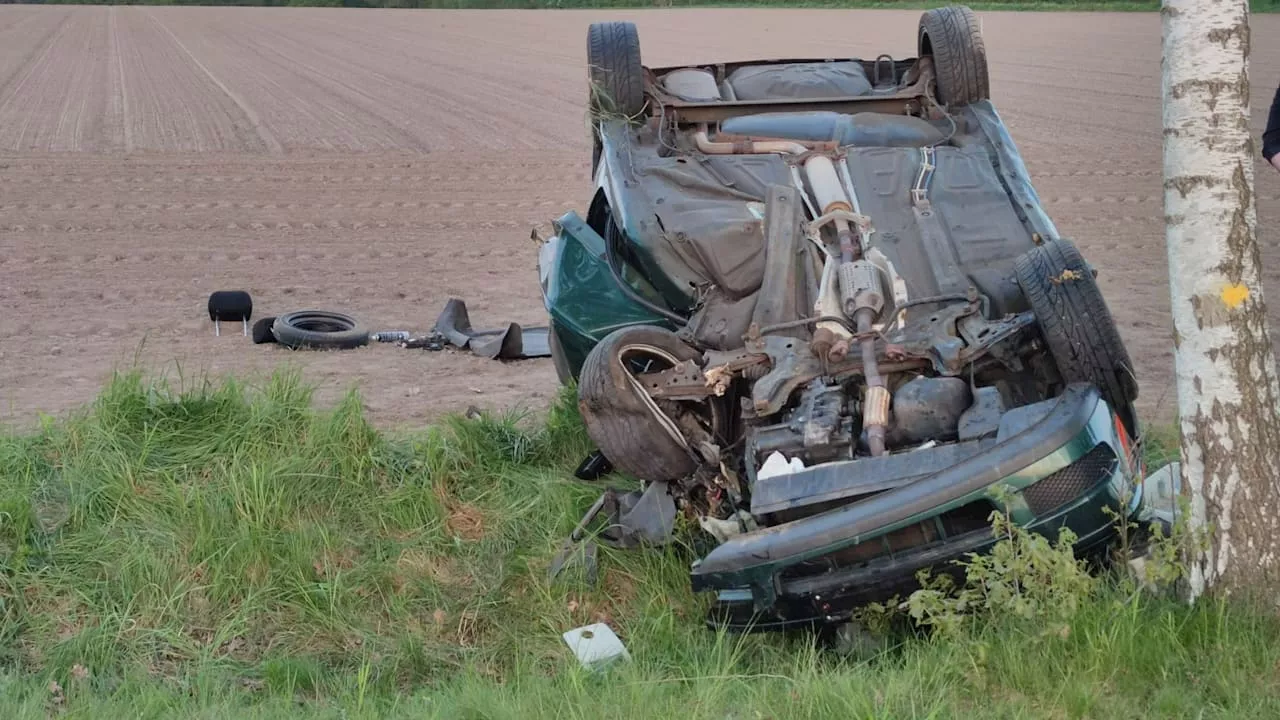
581,295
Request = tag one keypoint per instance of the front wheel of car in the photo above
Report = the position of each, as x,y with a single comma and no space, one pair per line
1075,321
640,436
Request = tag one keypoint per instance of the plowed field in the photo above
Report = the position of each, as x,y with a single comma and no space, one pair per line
380,162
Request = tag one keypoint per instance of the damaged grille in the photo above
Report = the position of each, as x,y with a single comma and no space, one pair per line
949,525
1070,482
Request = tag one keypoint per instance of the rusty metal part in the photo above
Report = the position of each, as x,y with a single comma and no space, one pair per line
874,418
957,335
861,288
768,329
688,381
778,367
912,98
877,406
828,305
819,146
711,147
823,341
839,351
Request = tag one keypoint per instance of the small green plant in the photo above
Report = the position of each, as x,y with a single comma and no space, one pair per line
1164,567
1023,576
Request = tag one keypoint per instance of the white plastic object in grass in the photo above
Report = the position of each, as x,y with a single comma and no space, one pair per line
596,645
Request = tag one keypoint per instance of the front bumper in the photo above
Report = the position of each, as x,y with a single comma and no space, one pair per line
755,573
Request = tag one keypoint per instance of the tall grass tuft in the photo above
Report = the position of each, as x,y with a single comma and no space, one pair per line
227,550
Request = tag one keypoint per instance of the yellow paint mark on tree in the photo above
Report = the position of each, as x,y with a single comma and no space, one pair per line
1233,295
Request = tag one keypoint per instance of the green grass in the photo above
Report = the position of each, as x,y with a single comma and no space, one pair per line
228,550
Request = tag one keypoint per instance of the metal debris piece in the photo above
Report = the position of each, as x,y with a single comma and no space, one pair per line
594,467
735,524
633,519
433,341
569,557
510,343
718,379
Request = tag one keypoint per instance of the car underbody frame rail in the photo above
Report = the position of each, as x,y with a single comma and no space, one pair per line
959,338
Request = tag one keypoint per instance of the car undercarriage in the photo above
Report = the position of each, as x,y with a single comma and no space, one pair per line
817,304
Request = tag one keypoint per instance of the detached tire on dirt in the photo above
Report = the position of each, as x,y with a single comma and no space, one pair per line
622,420
953,37
1075,321
319,330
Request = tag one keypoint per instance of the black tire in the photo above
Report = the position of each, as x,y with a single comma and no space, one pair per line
615,77
318,330
262,331
620,418
614,71
953,37
1075,321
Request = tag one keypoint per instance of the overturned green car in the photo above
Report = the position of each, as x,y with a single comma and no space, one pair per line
816,305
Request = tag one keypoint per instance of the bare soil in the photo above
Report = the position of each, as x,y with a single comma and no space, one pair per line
379,162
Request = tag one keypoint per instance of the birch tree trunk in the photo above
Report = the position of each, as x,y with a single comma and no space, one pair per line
1226,374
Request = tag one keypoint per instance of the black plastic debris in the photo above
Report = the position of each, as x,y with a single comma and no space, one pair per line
594,467
510,343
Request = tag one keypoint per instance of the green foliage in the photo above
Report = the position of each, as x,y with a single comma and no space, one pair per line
227,550
1023,577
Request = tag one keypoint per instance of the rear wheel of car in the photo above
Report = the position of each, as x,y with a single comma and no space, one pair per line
1076,323
637,434
615,76
952,36
614,69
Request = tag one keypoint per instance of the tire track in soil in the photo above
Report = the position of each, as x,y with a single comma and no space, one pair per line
174,106
121,130
16,57
15,109
395,121
22,36
419,150
83,109
311,108
273,146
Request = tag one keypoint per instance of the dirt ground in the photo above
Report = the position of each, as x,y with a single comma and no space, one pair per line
379,162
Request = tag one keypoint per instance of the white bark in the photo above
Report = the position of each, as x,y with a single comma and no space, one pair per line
1225,367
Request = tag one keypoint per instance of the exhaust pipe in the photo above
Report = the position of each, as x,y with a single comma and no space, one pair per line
850,287
861,298
744,147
